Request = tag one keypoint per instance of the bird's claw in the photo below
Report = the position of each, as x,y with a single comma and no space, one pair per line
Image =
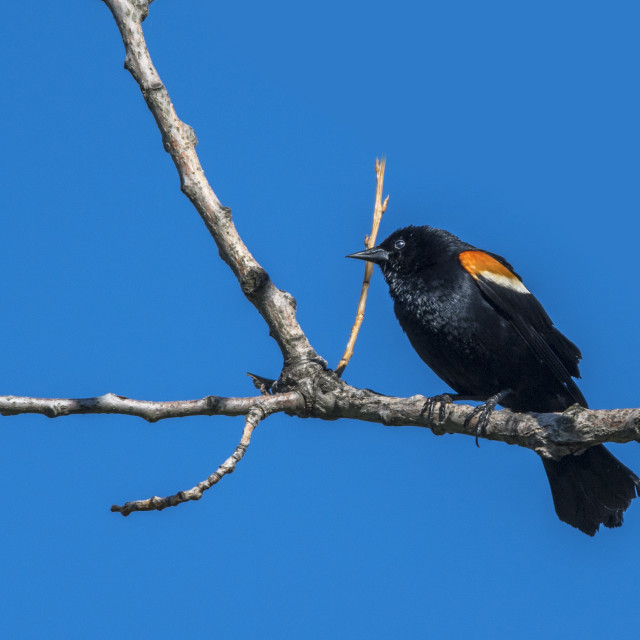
484,412
429,406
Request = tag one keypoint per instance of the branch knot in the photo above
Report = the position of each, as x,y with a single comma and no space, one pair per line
254,280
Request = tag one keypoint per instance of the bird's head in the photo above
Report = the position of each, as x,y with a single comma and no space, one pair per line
411,250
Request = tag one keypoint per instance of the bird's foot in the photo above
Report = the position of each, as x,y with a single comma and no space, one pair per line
484,412
429,406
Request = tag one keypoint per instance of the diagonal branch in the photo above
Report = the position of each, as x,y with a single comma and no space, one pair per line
155,503
278,308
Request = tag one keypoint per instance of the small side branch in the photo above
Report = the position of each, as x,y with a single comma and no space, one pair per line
370,241
228,466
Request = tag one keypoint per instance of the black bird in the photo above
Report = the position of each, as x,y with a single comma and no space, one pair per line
470,318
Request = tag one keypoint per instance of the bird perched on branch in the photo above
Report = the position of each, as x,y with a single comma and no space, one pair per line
471,319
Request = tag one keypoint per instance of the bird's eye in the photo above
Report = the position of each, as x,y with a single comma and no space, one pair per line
399,244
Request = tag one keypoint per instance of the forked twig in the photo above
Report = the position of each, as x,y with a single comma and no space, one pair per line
370,241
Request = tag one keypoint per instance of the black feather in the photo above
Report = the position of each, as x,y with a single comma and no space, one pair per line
536,329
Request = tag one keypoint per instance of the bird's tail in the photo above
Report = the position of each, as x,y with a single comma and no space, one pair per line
591,489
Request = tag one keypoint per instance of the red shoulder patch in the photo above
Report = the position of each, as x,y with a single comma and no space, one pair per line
481,265
477,262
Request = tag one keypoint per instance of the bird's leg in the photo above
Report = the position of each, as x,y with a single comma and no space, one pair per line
484,411
442,399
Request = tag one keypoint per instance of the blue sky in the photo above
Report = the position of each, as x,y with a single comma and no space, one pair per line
514,126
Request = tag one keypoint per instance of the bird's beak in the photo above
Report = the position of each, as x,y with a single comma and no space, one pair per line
377,255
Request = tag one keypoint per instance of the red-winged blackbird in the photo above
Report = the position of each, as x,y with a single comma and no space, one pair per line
470,318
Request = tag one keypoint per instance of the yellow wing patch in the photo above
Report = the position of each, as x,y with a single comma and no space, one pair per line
481,265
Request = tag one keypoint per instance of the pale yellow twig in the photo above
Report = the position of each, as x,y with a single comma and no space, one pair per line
370,241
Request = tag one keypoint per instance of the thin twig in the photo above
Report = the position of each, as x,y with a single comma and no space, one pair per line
370,241
263,385
228,466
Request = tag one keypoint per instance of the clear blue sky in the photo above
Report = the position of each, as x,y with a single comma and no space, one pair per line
514,126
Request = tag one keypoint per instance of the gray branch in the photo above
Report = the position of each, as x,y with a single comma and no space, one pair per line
551,435
329,398
278,308
149,410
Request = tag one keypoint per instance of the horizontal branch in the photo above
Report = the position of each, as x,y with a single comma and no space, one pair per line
551,435
147,409
329,398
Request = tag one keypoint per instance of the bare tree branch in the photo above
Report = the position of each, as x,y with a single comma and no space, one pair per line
329,398
551,435
155,503
149,410
370,241
278,308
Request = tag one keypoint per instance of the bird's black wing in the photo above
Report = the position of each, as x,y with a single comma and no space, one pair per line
503,288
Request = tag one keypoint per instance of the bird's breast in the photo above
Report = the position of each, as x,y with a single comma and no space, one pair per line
456,333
